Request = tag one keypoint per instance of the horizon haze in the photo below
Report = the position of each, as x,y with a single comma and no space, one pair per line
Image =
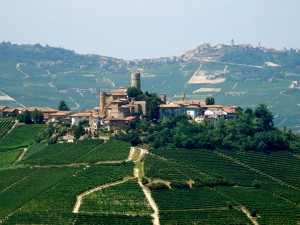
140,29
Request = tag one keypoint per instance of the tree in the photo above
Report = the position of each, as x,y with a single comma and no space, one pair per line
25,117
264,116
37,116
133,92
209,100
153,104
63,106
79,131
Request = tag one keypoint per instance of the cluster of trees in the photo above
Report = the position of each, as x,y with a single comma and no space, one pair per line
153,101
252,130
31,117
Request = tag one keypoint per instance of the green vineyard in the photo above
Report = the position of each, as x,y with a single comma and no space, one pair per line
5,126
20,137
110,182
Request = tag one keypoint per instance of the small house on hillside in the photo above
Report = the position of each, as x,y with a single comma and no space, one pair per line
60,117
10,112
44,111
2,108
112,123
80,117
192,111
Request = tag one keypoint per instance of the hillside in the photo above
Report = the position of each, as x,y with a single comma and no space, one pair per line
97,182
35,75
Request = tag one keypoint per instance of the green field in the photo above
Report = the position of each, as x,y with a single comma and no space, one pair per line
20,136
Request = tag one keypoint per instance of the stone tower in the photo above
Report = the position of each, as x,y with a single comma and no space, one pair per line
136,80
102,103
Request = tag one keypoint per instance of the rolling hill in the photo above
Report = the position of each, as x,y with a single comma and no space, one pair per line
35,75
97,182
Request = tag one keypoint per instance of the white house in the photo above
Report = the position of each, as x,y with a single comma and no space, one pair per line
79,117
217,113
192,111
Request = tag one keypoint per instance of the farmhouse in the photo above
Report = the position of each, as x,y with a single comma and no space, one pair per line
80,117
60,117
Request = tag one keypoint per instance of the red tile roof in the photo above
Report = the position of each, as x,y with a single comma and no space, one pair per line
3,107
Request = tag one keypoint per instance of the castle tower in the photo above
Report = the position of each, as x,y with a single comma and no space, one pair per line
102,103
163,98
136,80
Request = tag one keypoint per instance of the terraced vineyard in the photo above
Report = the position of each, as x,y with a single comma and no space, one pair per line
123,199
89,151
263,183
5,126
20,136
91,182
9,157
270,210
46,189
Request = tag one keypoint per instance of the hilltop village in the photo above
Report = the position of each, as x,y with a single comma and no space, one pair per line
116,109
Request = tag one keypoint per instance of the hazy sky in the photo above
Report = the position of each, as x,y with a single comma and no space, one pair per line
132,29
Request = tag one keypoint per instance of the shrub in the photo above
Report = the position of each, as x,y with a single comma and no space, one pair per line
179,184
158,186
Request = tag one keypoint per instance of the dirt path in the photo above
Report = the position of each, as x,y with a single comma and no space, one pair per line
79,197
21,156
16,123
132,150
151,201
248,214
145,189
143,152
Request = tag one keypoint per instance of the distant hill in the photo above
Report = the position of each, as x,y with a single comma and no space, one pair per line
35,75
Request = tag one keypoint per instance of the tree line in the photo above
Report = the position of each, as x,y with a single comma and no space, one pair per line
252,130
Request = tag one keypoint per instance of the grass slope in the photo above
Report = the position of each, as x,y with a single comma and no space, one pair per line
20,136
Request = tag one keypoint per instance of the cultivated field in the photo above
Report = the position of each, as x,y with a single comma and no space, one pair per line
93,182
20,136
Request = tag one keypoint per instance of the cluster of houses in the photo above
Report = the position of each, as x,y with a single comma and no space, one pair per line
197,110
116,110
50,115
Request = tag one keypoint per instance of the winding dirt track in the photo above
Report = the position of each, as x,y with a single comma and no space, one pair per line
248,214
146,190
